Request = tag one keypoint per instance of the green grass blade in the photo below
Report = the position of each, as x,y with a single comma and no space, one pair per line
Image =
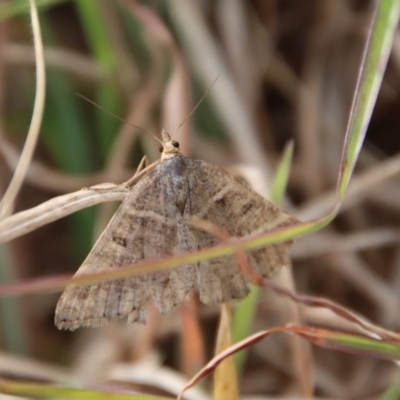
107,93
13,333
361,345
278,188
392,392
242,322
374,64
54,392
96,35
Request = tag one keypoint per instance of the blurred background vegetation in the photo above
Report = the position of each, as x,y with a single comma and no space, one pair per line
286,71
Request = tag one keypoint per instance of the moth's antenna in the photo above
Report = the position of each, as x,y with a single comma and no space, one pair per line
195,107
121,119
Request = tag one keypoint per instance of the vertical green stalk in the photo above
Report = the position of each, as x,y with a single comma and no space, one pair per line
13,335
107,93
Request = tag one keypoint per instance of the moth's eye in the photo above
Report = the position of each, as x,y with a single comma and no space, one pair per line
175,144
161,149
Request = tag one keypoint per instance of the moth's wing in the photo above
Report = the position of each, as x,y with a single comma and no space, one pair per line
219,280
232,205
143,228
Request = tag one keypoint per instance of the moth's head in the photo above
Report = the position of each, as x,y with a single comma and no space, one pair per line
169,146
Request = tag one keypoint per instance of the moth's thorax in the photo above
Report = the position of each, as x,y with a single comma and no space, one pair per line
169,153
173,168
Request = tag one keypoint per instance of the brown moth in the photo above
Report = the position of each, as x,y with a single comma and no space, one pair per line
153,222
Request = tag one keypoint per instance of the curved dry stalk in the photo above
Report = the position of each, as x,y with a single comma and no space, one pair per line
7,202
311,301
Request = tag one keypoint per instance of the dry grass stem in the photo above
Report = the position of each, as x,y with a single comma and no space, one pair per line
7,202
71,61
58,207
360,188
